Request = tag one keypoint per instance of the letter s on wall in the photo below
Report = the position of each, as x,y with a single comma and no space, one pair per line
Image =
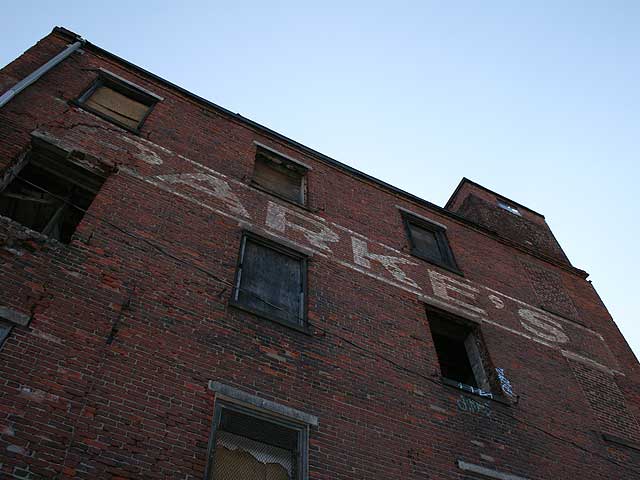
542,326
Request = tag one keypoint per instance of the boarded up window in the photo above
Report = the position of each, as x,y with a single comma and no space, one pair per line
280,176
271,280
459,350
118,106
251,448
429,241
119,101
50,195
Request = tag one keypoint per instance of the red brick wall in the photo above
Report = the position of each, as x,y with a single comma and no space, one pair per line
151,263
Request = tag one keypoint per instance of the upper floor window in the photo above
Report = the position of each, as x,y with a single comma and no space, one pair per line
271,281
460,350
5,328
50,194
118,100
509,208
429,241
280,175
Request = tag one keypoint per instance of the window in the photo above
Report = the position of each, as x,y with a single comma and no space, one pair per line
429,241
280,175
5,329
459,349
253,446
509,208
118,100
50,195
271,281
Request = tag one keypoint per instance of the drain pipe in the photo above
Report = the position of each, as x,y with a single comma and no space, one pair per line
36,74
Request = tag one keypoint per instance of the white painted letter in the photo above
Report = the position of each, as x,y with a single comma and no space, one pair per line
218,188
145,153
534,322
278,219
361,256
443,284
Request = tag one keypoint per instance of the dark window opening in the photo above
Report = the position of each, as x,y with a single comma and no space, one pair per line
280,176
118,101
5,329
49,195
252,447
429,242
271,281
454,361
459,350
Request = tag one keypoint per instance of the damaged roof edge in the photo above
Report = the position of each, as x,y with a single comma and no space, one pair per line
322,157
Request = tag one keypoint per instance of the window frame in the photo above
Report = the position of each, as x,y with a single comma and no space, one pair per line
509,207
61,168
5,331
301,429
124,87
284,250
486,386
269,155
440,234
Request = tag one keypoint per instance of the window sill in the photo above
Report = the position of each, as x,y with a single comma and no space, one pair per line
262,189
477,392
446,266
620,441
300,328
135,131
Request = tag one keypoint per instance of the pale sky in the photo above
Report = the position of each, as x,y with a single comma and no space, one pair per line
536,100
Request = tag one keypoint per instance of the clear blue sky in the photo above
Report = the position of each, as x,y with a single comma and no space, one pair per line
537,100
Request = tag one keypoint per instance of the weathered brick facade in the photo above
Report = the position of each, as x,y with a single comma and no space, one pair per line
116,336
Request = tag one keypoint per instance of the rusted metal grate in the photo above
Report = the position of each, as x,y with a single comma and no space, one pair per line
241,458
251,446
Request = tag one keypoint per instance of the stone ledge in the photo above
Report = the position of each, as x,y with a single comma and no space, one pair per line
233,394
14,316
487,472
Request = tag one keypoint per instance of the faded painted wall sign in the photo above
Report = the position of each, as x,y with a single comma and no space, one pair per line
214,191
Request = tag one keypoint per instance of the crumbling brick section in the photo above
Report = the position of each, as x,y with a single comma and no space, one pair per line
550,291
606,401
512,227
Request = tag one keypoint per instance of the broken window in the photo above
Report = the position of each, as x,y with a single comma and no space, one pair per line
250,446
271,281
509,208
459,349
429,241
5,329
280,175
50,194
118,100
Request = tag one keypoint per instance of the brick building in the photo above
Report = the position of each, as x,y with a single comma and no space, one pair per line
187,294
